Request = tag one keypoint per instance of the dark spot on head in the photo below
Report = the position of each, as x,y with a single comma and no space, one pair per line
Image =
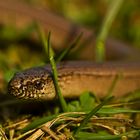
21,81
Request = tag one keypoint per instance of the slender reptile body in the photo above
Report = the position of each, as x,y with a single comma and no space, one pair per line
75,78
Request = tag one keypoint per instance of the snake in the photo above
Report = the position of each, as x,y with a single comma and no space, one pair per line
74,78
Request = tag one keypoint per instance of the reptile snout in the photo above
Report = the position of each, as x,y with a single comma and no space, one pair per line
14,86
31,84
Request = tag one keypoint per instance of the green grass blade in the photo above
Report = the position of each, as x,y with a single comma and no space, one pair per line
113,84
37,122
69,48
93,112
110,16
55,77
42,37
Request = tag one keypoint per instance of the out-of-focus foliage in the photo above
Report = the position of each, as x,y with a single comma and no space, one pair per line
91,13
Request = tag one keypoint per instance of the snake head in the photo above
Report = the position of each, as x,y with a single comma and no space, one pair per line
32,83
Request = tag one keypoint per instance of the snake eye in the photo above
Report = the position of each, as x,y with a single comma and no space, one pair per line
38,84
21,81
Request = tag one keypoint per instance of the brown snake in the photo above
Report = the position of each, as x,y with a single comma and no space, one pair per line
74,77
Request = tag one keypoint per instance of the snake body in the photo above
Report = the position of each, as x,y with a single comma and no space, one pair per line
75,78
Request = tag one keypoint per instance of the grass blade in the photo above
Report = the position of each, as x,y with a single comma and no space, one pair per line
68,49
110,16
55,76
89,115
